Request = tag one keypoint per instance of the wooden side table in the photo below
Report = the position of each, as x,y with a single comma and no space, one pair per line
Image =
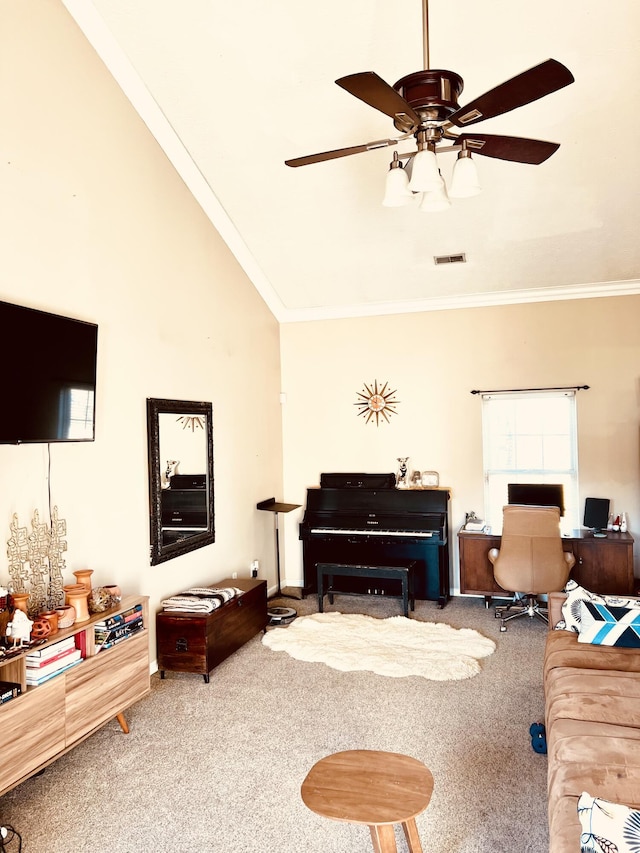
375,788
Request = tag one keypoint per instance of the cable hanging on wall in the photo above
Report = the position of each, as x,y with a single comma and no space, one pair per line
523,390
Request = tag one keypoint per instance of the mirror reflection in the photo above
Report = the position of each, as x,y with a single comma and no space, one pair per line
180,477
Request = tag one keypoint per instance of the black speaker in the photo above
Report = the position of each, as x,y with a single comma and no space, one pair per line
596,513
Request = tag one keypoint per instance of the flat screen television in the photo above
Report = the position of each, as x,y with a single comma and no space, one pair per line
48,376
536,494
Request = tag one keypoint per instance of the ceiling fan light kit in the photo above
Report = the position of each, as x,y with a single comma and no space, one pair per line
396,191
425,105
464,182
425,174
435,200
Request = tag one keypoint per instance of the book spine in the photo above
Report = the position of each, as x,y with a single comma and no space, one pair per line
120,618
81,643
109,642
36,682
127,628
74,655
50,651
7,695
42,662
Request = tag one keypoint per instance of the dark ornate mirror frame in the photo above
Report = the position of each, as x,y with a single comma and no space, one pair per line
155,407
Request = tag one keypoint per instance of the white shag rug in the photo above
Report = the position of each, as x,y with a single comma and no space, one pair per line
395,647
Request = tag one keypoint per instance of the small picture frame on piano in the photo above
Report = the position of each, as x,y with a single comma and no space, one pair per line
430,479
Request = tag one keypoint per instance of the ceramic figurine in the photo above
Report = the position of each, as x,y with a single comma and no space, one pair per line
402,481
19,629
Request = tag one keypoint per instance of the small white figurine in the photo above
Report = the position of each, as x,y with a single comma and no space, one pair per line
19,629
172,465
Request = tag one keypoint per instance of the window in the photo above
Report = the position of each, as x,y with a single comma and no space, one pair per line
76,413
530,437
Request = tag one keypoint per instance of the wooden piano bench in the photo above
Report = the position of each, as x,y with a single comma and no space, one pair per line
197,642
403,573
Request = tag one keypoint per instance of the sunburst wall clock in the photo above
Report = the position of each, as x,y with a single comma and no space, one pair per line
376,402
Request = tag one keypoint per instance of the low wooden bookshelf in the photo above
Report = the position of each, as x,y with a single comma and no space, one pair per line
46,721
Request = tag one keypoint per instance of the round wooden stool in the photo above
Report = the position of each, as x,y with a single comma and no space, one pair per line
374,788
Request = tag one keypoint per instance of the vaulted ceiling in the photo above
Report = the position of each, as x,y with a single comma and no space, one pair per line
231,90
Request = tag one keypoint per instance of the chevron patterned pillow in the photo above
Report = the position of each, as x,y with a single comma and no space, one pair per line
607,625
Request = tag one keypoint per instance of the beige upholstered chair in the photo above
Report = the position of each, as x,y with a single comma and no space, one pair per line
530,561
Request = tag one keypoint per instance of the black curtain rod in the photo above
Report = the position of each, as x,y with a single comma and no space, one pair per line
517,390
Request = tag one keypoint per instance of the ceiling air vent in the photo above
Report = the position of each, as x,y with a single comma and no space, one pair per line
450,259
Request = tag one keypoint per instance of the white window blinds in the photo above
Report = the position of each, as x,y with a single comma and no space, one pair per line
530,437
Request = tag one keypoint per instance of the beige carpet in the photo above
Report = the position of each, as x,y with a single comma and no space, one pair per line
396,647
217,768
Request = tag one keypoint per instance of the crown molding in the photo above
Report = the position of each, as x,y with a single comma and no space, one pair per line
473,300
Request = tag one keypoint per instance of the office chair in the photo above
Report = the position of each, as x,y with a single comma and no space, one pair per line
530,561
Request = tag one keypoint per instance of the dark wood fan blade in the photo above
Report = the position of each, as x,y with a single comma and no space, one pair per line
340,152
374,91
535,83
515,148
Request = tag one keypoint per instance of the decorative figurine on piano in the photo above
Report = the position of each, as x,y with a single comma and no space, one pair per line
402,477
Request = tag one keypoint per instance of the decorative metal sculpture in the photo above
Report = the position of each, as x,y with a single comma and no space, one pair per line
57,564
36,563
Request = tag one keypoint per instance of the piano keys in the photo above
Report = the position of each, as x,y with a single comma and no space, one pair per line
378,526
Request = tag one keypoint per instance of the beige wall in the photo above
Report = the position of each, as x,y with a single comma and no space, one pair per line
435,360
96,224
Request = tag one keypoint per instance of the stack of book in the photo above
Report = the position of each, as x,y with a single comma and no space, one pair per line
116,628
9,690
45,663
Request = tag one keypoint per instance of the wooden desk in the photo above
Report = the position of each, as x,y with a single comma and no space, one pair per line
602,565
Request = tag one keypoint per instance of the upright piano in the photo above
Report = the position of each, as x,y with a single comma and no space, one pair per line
362,519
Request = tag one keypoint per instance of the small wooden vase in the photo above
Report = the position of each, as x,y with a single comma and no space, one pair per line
21,601
77,596
51,616
83,578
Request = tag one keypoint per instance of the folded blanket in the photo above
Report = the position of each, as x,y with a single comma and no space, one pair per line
201,599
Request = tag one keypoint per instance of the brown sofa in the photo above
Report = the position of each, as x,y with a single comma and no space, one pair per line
592,720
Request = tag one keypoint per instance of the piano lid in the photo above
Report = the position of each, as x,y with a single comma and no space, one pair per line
378,501
357,481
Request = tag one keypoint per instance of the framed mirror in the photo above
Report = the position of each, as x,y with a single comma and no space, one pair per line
181,491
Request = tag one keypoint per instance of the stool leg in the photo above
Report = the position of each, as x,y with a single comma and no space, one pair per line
405,595
411,834
383,837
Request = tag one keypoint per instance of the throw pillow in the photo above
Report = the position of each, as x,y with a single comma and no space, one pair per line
606,625
608,826
571,605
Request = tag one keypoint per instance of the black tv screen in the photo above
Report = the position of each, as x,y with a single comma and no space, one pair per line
48,376
536,494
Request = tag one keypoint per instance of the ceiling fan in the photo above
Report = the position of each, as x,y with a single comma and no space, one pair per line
425,105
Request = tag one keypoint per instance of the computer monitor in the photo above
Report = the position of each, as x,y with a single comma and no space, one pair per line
536,494
596,513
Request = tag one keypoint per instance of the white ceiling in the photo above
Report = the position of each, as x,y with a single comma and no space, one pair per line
231,90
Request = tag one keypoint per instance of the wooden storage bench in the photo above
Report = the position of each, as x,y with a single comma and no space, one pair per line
194,642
